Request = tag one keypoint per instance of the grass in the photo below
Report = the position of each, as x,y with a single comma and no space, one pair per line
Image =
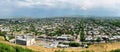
9,48
96,47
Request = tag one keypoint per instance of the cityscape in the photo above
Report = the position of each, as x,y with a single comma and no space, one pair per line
59,25
61,32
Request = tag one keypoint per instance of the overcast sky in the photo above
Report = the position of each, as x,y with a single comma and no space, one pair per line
59,7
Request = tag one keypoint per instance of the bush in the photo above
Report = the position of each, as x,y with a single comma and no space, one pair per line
20,49
8,48
87,51
117,50
2,33
98,39
60,50
74,44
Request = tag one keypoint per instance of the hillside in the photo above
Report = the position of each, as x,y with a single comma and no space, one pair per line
96,47
9,48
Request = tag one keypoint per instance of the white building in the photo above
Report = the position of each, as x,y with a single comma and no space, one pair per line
25,40
63,37
89,38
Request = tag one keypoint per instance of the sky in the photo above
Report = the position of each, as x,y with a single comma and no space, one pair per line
59,7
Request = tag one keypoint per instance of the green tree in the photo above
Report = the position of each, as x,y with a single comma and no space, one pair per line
74,44
3,33
82,38
98,39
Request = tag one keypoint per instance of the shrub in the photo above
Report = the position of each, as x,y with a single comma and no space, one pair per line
117,50
6,48
9,48
2,33
60,50
74,44
87,51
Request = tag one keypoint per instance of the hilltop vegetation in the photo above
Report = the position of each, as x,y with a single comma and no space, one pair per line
8,48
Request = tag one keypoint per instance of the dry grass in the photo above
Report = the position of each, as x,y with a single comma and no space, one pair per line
96,47
2,38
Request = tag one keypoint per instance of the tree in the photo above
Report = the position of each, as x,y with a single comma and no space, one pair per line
81,30
82,38
32,28
74,44
3,33
98,39
58,32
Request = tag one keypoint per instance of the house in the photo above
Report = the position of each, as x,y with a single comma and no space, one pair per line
63,37
53,45
25,40
5,29
89,38
63,46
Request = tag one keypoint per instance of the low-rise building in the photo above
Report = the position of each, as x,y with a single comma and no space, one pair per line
25,40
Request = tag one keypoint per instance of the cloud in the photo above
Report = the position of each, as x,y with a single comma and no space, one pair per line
81,4
11,6
106,4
